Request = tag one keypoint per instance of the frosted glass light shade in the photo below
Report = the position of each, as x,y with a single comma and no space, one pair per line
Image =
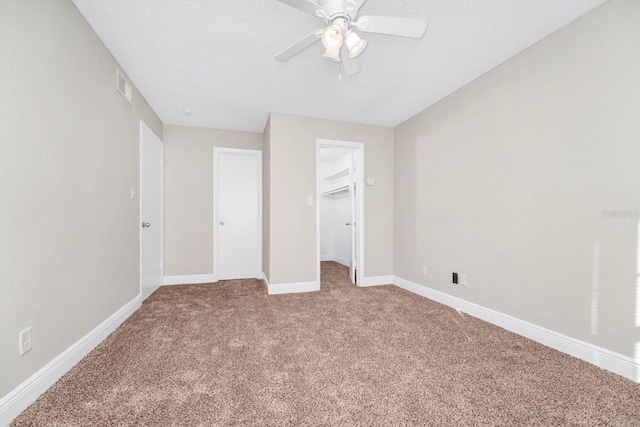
355,44
332,37
332,54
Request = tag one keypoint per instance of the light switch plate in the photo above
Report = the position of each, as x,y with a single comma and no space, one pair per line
25,341
463,279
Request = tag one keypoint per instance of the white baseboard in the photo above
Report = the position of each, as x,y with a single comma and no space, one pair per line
376,281
292,288
289,288
343,261
339,260
26,393
601,357
189,279
146,292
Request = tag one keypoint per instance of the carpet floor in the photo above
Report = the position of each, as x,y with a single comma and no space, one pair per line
228,354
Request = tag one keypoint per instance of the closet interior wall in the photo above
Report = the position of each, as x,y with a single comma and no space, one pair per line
335,206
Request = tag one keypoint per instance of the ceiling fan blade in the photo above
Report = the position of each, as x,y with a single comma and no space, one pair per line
394,26
299,46
351,66
305,5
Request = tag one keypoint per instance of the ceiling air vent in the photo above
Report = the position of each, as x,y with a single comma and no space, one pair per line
123,86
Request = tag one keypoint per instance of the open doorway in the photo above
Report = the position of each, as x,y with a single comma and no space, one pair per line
339,214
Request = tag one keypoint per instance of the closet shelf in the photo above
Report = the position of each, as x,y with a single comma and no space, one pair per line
337,192
340,174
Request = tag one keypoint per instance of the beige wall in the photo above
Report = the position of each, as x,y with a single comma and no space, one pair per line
69,148
266,201
293,178
507,179
188,194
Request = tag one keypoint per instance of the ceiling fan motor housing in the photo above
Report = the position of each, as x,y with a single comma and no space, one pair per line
340,19
333,7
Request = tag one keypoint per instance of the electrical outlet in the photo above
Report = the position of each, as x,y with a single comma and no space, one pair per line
454,278
25,341
423,270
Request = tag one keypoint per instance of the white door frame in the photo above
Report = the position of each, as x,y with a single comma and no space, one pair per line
216,153
149,132
358,148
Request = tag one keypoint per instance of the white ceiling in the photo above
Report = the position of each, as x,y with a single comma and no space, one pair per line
215,57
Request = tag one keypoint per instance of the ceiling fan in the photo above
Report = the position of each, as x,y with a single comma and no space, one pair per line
342,44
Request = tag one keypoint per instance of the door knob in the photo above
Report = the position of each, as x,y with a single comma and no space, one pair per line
348,224
146,225
221,222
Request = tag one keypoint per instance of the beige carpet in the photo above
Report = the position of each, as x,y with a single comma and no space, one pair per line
228,354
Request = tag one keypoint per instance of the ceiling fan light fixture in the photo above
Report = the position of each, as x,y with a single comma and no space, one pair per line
332,40
332,37
354,43
332,54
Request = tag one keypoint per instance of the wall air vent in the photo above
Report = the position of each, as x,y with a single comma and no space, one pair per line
123,86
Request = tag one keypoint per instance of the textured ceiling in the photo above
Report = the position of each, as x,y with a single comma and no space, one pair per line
215,57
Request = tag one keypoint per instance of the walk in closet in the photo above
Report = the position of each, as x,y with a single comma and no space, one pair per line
338,228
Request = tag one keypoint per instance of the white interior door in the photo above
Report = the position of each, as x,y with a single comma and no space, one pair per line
354,215
237,213
150,211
